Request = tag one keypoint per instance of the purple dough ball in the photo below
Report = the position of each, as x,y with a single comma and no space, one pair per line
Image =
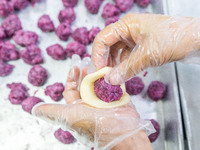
81,35
6,8
93,5
143,3
155,135
25,38
32,55
8,51
124,5
64,136
157,90
107,92
20,4
18,93
29,102
86,55
134,86
2,33
5,69
11,24
63,31
69,3
56,51
67,15
111,20
75,48
55,91
45,23
93,32
110,10
37,75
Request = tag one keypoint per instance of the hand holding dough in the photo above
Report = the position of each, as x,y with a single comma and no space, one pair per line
88,95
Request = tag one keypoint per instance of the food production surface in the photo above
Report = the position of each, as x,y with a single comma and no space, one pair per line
21,131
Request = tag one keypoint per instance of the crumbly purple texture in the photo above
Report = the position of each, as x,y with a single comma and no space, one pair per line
111,20
93,32
56,51
75,48
6,8
143,3
67,15
37,75
157,90
2,33
34,1
64,136
93,5
32,55
55,91
25,38
134,86
11,24
63,31
45,23
155,135
5,69
8,51
81,35
86,55
124,5
20,4
29,102
110,10
18,93
107,92
69,3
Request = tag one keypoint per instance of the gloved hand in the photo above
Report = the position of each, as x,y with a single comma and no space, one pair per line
103,128
139,41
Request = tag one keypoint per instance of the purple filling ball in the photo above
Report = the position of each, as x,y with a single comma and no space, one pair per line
86,55
11,24
29,102
8,51
25,38
45,23
107,92
69,3
63,31
2,33
110,10
56,51
155,135
75,48
37,75
111,20
20,4
124,5
93,32
134,86
55,91
18,93
6,8
93,5
157,90
143,3
81,35
32,55
67,15
5,69
64,136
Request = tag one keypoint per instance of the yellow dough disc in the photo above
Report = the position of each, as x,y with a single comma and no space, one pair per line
88,95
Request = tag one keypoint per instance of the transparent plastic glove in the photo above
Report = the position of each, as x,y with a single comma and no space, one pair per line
139,41
101,128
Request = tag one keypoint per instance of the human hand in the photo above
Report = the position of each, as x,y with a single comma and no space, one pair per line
103,128
139,41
